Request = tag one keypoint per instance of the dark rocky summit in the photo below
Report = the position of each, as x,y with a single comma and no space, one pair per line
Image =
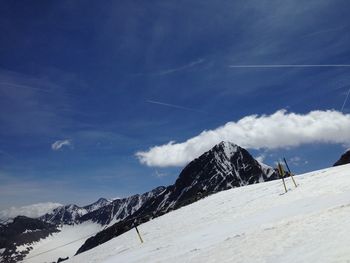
344,159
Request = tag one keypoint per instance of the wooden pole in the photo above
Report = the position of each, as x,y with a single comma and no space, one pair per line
138,233
290,173
281,171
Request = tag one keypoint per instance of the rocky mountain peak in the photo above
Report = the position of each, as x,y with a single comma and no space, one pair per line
344,159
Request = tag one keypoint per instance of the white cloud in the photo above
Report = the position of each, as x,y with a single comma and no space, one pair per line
296,160
60,143
160,174
281,129
260,158
34,210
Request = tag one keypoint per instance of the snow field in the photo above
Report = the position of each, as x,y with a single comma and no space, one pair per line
56,246
249,224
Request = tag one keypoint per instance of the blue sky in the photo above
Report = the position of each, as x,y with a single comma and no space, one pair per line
103,76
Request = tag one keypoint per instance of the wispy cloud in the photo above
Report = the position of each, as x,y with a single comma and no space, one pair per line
324,31
173,106
297,161
278,130
345,101
260,158
36,100
173,70
9,85
57,145
34,210
16,191
160,174
292,66
184,67
7,154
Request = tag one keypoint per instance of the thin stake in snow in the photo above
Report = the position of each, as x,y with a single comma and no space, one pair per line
281,172
138,233
290,173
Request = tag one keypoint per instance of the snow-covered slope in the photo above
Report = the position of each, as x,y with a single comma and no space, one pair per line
255,223
60,245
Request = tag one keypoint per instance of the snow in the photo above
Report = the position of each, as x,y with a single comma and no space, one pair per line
268,170
67,235
30,231
255,223
229,149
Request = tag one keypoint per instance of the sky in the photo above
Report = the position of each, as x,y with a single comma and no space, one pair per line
112,99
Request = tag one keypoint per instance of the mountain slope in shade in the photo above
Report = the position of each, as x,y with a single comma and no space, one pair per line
23,230
344,159
225,166
66,223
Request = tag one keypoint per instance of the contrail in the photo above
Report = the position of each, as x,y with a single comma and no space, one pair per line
190,65
24,87
346,99
292,66
172,70
173,106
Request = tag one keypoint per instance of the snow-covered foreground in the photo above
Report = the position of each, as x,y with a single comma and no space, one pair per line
62,244
248,224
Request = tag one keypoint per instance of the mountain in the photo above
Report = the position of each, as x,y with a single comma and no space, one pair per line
256,223
344,159
223,167
102,212
70,214
120,208
22,230
68,222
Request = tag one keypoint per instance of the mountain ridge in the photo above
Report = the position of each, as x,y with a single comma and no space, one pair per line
225,166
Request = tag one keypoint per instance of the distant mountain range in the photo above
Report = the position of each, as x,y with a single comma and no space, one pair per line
223,167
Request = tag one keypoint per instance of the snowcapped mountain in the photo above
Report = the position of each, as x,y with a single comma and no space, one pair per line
344,159
119,209
102,212
225,166
256,223
70,214
65,223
